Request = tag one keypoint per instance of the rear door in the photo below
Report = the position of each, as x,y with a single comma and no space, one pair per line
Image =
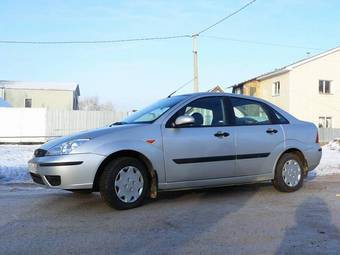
259,136
204,150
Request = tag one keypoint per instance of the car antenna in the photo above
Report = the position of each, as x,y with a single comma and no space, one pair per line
179,88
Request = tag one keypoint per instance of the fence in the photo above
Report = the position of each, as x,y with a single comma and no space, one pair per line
60,123
328,134
35,125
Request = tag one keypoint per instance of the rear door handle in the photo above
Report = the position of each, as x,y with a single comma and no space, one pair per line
271,131
221,134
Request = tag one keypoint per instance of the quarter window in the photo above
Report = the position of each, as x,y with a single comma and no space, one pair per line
249,112
280,118
324,87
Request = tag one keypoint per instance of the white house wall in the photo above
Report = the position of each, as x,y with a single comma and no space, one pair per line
305,101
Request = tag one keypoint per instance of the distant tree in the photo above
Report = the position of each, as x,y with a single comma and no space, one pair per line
107,106
93,104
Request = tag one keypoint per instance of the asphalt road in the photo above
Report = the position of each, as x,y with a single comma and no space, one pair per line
253,219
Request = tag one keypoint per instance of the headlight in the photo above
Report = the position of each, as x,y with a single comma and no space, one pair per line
67,147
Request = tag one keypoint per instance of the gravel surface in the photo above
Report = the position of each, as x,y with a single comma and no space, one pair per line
253,219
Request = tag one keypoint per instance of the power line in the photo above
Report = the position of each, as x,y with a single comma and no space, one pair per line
194,41
227,17
261,43
127,40
97,41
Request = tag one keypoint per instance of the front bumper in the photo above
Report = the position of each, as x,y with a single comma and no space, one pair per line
74,171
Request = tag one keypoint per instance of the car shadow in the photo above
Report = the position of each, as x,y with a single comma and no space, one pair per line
204,209
216,192
313,232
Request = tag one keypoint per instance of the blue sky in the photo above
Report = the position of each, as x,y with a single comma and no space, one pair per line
134,74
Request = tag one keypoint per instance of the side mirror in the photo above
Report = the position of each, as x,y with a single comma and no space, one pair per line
184,120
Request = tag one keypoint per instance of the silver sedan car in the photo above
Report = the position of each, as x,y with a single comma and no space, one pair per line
182,142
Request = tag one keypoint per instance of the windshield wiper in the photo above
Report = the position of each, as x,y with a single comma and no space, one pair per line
118,123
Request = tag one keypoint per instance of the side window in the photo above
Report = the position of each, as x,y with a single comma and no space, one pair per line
249,112
207,112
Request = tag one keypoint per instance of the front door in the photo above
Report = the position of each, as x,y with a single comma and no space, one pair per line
201,151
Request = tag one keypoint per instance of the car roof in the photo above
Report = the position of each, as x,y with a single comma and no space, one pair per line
200,94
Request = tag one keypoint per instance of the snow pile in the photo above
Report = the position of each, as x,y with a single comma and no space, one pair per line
334,145
13,162
330,161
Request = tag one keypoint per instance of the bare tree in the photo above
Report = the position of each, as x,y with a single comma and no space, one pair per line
107,106
93,104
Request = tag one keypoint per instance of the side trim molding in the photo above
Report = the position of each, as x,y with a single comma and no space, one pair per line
73,163
255,155
220,158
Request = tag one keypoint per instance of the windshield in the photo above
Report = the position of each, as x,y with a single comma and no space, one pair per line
152,112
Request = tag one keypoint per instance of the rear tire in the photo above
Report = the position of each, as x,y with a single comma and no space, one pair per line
288,173
124,183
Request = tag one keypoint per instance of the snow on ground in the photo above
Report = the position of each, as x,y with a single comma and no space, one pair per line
330,161
13,162
334,145
329,164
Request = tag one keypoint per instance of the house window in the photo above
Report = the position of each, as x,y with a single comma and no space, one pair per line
276,88
238,90
325,122
28,103
324,87
252,91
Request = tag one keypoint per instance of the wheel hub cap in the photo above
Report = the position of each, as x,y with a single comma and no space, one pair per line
128,184
291,173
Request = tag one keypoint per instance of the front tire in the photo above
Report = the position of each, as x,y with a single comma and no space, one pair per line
288,173
124,183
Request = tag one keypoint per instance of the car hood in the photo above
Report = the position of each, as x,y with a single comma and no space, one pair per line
91,134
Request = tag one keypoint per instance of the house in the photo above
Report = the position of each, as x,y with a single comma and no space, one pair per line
217,89
3,103
50,95
309,89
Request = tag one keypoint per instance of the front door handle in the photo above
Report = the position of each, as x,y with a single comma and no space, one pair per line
271,131
221,134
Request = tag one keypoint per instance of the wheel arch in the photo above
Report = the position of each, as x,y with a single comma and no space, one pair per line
134,154
297,152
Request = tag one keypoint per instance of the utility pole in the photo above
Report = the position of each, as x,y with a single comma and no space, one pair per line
195,51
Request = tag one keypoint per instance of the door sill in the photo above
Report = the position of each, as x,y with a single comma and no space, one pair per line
207,183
